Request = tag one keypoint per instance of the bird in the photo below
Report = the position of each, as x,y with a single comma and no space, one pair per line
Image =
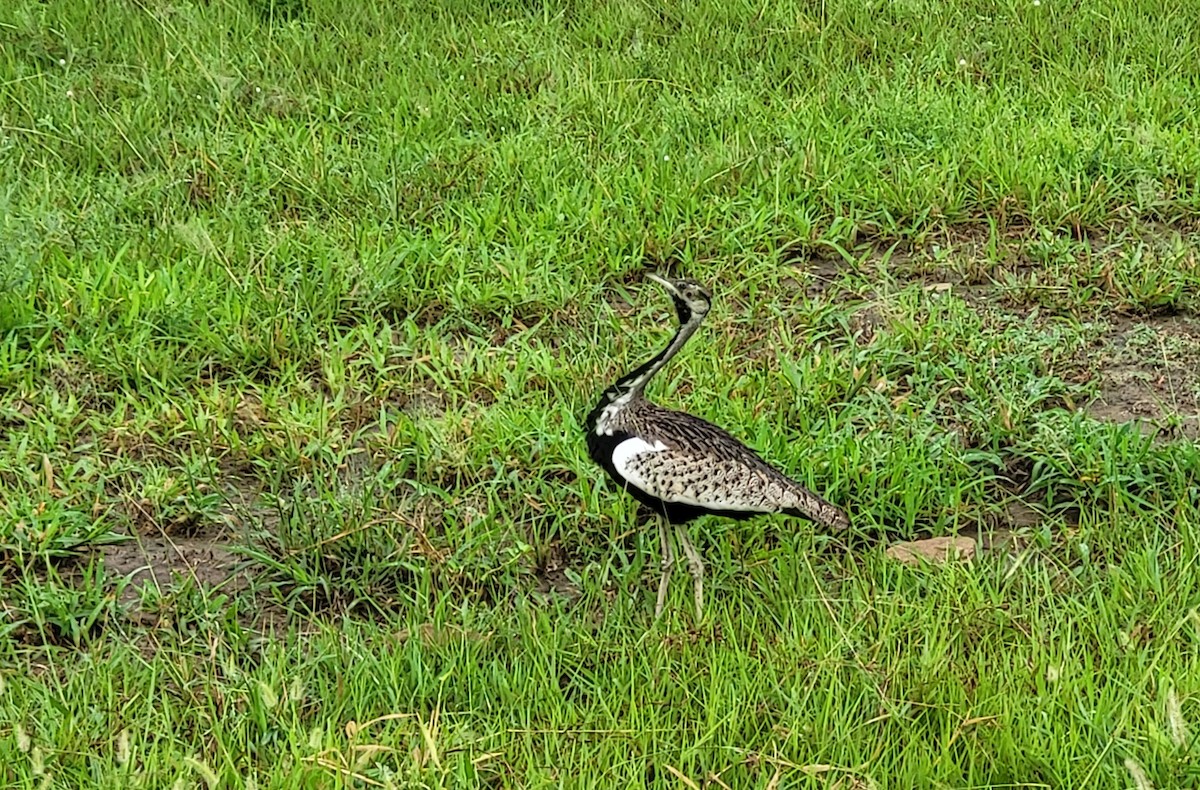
683,467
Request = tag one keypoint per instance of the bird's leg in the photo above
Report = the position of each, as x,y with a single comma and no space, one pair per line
695,565
668,564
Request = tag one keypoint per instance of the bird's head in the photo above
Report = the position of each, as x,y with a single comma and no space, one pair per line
690,297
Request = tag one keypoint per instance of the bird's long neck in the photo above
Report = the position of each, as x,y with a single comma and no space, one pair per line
632,384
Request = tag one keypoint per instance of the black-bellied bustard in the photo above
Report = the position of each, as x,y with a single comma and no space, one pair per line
682,466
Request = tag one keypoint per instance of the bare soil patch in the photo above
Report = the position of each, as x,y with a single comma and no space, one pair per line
205,559
1150,375
552,578
168,555
1148,366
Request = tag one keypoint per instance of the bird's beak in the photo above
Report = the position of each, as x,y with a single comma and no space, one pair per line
665,283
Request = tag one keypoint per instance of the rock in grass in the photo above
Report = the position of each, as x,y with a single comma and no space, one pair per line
934,550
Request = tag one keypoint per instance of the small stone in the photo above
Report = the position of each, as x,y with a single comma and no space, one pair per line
934,550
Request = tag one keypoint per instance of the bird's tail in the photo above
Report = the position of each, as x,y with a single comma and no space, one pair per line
816,509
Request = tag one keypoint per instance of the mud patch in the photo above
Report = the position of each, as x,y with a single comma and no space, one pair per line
1018,515
163,562
823,274
826,273
169,552
552,579
1146,362
1149,376
1008,531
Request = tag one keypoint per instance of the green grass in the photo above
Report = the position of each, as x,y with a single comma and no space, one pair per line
330,286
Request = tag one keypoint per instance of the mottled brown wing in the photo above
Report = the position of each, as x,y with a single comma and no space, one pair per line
680,458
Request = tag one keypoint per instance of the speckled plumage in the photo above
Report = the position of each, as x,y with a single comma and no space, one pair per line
682,466
703,469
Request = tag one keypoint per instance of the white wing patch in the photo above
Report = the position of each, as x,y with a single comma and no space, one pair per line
625,456
674,477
